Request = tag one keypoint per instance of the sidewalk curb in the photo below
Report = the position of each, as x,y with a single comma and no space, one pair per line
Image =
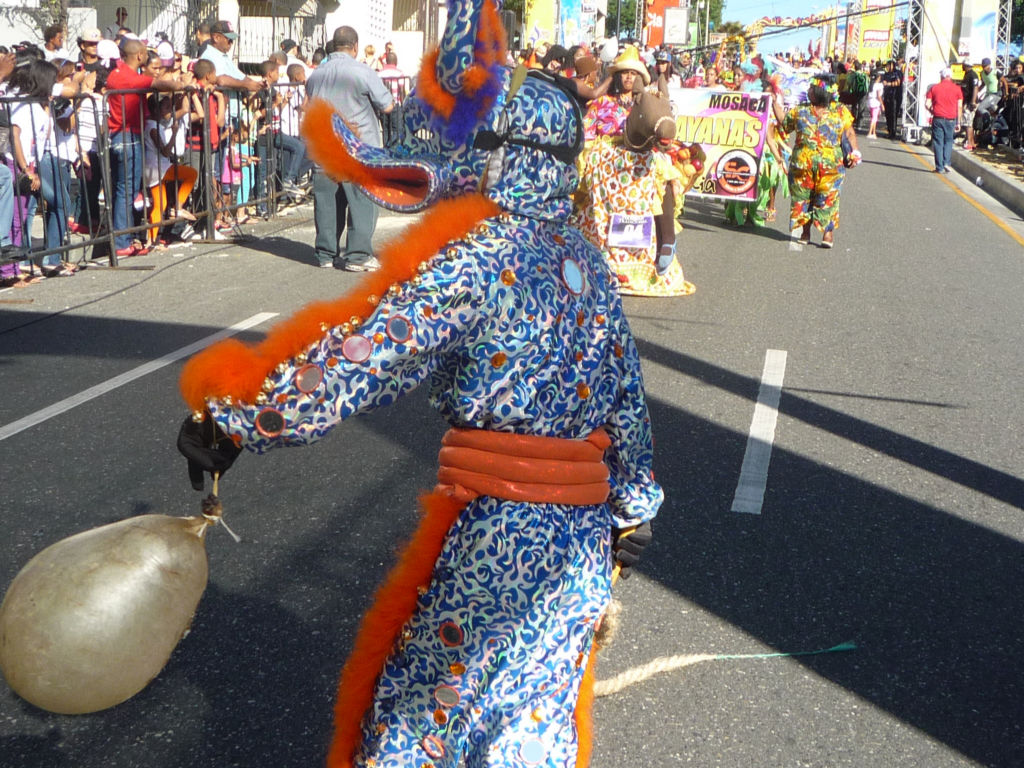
998,185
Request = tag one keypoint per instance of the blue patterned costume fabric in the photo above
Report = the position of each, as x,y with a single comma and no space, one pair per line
516,327
506,345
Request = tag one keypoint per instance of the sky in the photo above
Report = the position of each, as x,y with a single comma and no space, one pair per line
746,11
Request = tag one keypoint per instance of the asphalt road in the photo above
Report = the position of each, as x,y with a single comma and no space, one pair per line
891,517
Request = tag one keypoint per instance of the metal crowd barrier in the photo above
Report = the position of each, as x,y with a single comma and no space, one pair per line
256,160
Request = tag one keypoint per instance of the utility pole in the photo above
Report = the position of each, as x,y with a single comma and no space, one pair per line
707,24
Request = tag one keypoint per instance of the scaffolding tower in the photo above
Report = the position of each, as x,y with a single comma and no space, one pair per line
912,90
1003,35
912,93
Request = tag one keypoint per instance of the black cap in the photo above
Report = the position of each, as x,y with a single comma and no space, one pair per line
224,28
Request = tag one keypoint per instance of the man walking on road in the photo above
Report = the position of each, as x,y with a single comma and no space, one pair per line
945,101
354,90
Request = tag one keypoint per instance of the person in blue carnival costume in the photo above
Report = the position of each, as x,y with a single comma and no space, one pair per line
513,320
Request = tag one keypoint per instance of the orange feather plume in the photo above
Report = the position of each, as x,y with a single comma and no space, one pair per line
231,368
429,90
491,33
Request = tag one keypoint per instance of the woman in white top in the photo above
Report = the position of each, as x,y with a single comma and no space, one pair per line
164,137
875,104
34,152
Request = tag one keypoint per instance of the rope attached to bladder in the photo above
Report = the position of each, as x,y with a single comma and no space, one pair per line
213,512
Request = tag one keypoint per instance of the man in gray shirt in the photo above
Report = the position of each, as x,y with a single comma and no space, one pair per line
354,90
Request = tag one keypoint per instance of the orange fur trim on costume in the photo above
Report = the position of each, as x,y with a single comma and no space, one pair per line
492,34
393,605
490,38
429,90
326,149
474,78
231,368
396,183
584,714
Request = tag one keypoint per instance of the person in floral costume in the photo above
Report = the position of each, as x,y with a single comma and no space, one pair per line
607,114
629,198
816,168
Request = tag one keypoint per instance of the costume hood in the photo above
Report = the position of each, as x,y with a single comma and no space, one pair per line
471,125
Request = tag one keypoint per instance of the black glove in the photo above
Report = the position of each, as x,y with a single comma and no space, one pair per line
628,545
207,449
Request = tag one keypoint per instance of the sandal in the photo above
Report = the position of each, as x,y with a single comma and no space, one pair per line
769,215
26,280
826,240
64,269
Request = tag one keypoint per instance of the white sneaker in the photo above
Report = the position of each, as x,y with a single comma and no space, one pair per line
370,265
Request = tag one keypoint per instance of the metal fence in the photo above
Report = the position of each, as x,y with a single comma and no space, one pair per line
111,175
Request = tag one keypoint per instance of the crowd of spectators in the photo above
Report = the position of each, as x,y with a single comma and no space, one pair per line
162,145
132,133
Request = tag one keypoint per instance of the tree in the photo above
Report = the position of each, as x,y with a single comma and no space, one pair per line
46,13
621,19
731,28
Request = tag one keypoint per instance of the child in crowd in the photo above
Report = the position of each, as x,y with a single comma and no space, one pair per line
164,139
875,104
205,74
66,144
91,116
294,162
237,167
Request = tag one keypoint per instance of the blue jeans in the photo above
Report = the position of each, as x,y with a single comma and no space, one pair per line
262,152
942,141
53,188
126,178
296,163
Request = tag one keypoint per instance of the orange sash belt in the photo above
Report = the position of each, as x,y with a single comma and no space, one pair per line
554,470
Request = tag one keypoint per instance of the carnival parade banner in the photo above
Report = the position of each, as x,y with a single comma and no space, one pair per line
571,23
876,30
729,128
541,18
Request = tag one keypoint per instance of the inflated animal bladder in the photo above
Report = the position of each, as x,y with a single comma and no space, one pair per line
90,620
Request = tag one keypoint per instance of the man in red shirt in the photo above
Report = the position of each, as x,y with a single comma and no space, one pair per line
125,124
945,101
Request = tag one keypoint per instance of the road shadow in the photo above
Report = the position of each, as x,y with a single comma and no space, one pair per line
928,597
284,248
715,221
898,167
255,680
97,336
